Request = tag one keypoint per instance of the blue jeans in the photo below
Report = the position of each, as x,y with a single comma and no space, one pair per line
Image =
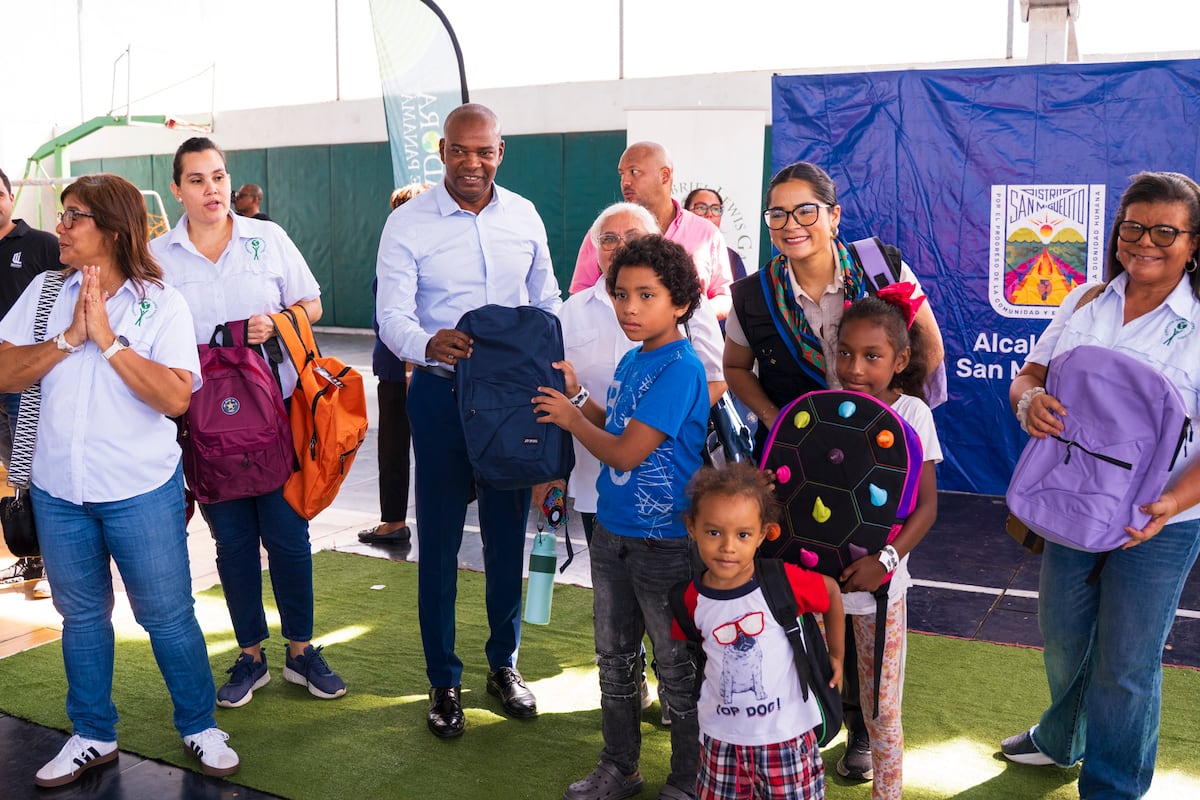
631,579
147,538
238,526
1103,657
443,483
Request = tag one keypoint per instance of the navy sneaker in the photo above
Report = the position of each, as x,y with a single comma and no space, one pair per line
311,670
1021,749
245,676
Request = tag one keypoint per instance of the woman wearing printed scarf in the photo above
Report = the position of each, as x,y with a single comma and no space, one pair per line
810,283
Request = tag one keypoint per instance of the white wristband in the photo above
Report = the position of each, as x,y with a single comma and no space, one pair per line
1023,405
581,397
889,558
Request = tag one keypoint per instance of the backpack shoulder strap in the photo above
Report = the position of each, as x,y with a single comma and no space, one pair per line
295,336
781,600
679,609
880,262
1090,295
687,624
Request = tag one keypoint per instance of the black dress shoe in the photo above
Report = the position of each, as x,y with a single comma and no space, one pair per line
507,684
445,712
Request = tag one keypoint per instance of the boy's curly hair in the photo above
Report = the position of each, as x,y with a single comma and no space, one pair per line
736,479
670,262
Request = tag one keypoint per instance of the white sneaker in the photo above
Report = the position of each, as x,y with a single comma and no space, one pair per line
216,757
41,589
77,755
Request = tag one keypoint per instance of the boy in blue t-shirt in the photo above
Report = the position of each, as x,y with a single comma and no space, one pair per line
649,439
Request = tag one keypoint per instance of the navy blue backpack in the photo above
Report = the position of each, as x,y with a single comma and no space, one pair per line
511,357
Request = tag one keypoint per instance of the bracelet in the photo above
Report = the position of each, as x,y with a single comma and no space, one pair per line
581,397
1023,405
889,558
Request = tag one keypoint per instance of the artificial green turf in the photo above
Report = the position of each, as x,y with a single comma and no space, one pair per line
960,699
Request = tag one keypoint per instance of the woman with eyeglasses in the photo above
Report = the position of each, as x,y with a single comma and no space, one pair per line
1105,638
117,359
707,203
811,281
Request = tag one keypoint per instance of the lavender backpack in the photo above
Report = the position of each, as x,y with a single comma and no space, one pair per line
1125,426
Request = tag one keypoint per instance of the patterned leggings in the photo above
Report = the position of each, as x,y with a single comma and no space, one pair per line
887,734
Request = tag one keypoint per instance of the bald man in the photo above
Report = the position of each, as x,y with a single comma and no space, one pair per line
247,201
462,244
647,173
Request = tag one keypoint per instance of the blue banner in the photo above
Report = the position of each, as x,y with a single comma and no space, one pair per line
999,186
421,67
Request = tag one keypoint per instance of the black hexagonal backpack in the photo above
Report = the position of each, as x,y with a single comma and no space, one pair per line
847,469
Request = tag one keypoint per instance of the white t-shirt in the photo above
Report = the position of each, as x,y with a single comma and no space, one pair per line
97,442
918,415
751,693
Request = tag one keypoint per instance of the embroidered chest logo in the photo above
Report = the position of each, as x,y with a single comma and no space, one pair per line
16,260
143,310
256,247
1178,329
230,405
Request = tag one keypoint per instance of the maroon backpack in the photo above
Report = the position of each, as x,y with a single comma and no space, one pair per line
235,435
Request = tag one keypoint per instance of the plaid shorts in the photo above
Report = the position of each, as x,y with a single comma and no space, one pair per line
790,770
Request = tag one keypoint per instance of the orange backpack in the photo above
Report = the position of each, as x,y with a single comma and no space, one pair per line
328,416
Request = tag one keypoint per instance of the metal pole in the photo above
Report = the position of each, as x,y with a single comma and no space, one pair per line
337,51
621,40
1008,51
79,51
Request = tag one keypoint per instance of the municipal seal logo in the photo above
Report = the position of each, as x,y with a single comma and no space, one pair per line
1045,241
230,405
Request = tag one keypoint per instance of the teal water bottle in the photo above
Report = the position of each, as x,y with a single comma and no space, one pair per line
542,562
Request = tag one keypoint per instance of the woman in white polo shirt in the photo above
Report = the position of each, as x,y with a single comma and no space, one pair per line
232,268
116,362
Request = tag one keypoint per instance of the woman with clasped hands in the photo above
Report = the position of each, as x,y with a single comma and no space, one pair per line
117,361
1104,641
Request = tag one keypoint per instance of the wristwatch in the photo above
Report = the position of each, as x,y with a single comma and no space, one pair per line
119,344
64,345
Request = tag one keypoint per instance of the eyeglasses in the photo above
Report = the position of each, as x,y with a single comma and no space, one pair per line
1160,235
609,241
704,209
751,625
68,217
805,214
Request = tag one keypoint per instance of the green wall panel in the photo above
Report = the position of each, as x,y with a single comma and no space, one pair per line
533,168
160,169
591,178
300,183
361,185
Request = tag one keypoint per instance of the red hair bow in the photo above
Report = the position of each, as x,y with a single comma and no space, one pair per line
901,296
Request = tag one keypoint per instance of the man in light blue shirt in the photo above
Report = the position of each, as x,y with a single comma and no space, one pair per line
461,245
